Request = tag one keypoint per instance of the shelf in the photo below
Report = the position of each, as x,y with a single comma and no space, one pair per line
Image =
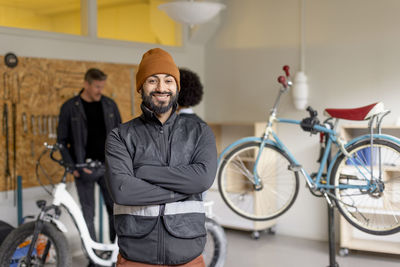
225,134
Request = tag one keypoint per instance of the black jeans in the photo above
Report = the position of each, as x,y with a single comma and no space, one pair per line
85,190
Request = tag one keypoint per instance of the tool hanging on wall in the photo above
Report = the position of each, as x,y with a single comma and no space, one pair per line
11,60
56,123
54,118
24,122
39,124
11,86
52,126
44,124
7,173
6,89
33,125
33,131
14,124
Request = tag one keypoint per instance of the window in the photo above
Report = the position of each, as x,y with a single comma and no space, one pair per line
128,20
138,21
62,16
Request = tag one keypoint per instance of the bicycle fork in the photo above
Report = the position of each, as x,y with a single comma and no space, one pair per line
38,229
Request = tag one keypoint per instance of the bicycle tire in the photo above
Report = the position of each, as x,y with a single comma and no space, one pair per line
215,250
23,233
373,212
280,185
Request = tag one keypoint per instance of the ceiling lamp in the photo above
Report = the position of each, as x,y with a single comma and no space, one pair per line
300,85
191,12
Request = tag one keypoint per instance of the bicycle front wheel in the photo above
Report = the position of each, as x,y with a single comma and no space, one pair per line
51,248
279,185
215,250
367,186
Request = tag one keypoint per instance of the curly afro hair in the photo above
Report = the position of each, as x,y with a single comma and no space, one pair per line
191,91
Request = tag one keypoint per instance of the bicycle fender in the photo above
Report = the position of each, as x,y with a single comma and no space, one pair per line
242,141
60,226
359,139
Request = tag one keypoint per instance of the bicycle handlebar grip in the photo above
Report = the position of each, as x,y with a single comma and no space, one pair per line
51,154
282,80
286,69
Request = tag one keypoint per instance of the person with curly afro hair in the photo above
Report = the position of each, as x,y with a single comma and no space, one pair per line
190,94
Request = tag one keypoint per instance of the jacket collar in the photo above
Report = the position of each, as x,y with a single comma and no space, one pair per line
149,115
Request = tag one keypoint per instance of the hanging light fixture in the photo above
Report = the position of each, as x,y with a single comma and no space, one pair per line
191,12
300,85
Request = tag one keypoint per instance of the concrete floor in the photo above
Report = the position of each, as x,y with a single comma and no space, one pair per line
284,251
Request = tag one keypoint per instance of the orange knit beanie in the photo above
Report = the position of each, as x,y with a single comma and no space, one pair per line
156,61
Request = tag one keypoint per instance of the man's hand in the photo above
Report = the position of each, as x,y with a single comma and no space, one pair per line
87,171
76,174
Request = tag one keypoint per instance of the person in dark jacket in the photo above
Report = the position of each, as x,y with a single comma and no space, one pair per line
190,94
84,122
157,166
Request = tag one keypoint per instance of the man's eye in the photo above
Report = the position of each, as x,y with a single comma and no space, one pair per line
151,81
169,81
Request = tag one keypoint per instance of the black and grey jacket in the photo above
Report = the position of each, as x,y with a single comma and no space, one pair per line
156,174
72,126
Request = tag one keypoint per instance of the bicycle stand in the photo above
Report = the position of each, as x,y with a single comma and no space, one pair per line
331,229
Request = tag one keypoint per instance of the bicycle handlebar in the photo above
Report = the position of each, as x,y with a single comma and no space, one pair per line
91,164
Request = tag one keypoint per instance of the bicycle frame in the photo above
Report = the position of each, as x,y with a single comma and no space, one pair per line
64,198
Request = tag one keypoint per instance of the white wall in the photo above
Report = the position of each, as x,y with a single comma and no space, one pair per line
351,59
56,46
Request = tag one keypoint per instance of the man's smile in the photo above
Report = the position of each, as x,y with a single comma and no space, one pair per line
161,97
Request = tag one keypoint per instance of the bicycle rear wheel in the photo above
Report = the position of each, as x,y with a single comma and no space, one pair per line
51,249
215,250
374,209
236,182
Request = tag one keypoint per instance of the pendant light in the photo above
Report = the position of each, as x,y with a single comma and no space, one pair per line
300,85
191,12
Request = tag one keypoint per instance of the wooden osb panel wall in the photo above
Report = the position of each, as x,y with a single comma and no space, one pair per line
36,89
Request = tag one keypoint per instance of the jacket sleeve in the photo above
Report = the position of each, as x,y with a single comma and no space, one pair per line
194,178
125,188
64,133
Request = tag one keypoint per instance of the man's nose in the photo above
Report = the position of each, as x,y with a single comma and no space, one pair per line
162,87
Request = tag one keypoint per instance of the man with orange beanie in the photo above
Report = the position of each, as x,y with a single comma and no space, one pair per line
158,164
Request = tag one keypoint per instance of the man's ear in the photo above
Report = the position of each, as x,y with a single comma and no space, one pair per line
85,84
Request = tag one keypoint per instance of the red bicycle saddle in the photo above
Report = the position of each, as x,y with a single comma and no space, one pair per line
356,114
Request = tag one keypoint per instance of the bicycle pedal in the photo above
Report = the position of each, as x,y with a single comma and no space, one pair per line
294,167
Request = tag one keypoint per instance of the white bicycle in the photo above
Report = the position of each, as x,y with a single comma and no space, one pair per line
42,242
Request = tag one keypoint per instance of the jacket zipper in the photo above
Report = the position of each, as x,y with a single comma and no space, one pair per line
163,147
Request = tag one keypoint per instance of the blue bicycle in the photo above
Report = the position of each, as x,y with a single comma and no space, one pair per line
258,177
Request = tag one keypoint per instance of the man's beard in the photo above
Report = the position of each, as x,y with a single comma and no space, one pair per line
149,103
